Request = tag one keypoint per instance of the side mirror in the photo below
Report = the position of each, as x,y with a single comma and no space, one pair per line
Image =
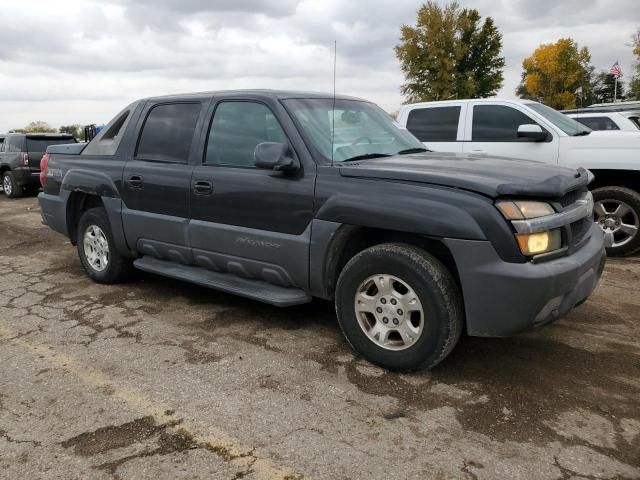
532,133
274,156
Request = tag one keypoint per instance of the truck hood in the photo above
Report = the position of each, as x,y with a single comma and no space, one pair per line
490,176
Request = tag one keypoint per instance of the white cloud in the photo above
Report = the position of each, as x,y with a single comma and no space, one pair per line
82,61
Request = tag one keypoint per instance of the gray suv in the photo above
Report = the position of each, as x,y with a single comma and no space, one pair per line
20,155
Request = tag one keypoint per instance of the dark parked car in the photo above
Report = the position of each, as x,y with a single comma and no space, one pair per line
20,155
284,196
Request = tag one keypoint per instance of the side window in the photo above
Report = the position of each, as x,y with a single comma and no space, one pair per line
167,133
598,123
434,124
1,144
107,141
15,143
237,127
497,123
636,121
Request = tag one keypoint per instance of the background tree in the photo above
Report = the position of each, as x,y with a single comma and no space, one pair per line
75,129
604,87
36,127
450,53
555,71
634,83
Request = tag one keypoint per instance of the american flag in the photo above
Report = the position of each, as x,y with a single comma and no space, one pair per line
616,71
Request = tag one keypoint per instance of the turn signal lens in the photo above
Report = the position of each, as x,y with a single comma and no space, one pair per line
542,242
524,209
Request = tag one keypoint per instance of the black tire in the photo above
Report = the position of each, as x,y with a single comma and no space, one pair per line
434,286
117,266
632,199
15,191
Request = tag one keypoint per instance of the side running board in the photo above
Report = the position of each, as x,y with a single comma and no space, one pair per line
227,282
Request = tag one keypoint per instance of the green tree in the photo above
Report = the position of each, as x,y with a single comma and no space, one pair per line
604,87
555,72
450,53
37,127
634,83
75,129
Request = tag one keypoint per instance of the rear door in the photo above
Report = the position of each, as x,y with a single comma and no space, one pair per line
251,222
157,177
440,127
493,130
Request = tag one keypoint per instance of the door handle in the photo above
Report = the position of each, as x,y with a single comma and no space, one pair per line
478,150
202,187
135,181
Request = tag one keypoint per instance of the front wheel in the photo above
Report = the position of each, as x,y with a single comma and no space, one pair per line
617,211
96,248
399,307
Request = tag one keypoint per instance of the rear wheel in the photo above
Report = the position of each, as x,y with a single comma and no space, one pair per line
399,307
9,185
96,248
617,211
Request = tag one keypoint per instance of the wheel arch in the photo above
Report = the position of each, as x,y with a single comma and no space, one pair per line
349,240
616,178
78,203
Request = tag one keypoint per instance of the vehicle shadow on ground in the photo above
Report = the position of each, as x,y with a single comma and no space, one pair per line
509,388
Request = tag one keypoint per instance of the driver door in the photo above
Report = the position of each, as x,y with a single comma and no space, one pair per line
251,222
494,131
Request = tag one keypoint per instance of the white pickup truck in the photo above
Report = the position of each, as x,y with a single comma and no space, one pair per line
525,129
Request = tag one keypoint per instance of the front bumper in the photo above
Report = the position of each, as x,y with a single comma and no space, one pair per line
26,177
503,299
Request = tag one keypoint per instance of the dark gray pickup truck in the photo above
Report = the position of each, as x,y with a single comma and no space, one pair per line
285,196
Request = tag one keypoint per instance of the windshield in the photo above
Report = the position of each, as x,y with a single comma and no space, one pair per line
361,129
566,124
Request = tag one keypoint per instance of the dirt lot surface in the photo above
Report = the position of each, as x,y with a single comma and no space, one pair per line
160,379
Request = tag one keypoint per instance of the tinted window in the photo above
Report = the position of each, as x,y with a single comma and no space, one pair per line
236,129
636,121
41,144
495,123
434,124
15,143
168,132
106,142
598,123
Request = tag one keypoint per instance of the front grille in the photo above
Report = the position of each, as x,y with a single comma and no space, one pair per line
578,231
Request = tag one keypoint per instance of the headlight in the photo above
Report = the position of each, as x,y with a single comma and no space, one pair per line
524,209
532,243
541,242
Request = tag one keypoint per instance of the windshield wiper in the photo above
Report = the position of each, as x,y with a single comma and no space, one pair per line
582,133
366,156
413,150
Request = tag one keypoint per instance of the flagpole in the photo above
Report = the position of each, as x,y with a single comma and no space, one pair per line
615,90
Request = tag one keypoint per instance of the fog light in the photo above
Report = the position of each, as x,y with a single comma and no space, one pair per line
540,242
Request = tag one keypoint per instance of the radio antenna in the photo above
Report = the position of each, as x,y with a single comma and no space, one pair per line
333,111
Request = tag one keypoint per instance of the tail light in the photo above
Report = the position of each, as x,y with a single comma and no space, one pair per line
25,159
43,168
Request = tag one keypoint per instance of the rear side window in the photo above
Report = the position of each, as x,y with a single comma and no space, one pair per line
636,121
438,124
598,123
167,133
41,144
497,123
236,129
107,141
15,144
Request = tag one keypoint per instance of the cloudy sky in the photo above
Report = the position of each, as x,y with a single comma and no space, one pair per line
81,61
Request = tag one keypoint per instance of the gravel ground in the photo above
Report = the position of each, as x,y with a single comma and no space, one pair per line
160,379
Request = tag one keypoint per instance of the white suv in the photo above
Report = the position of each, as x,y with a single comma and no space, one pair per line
610,121
525,129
